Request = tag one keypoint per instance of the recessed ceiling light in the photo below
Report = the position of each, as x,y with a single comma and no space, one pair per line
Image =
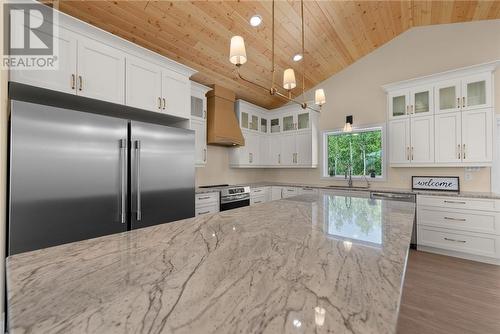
297,57
255,20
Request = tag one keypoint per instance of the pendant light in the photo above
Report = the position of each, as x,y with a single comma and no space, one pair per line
238,56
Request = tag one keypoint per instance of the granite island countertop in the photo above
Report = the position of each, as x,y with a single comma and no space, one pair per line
309,264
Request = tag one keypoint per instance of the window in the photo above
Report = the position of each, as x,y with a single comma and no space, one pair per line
362,149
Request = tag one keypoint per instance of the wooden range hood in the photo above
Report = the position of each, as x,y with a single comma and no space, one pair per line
223,128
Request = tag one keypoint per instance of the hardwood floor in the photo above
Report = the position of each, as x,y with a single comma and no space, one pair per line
449,295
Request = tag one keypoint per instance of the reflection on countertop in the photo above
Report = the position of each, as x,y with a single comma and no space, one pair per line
302,265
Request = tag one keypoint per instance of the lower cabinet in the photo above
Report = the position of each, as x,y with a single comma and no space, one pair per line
276,193
462,227
206,203
259,195
290,192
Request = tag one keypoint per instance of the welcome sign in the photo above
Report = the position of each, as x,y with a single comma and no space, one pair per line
438,183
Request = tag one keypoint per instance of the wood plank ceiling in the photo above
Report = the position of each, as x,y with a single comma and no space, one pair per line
337,33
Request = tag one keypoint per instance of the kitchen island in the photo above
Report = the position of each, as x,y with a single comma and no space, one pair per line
309,264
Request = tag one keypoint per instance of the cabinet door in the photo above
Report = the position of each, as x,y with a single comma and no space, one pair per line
399,103
422,101
477,136
476,92
176,94
263,125
422,140
64,78
101,71
399,141
275,150
253,147
288,122
448,96
288,149
304,149
275,125
143,84
303,121
254,122
200,141
264,151
276,193
448,137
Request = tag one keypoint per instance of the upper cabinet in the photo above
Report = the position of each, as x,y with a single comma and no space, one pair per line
418,101
99,65
442,120
283,138
199,122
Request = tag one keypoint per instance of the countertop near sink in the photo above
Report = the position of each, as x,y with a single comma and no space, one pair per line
372,188
313,263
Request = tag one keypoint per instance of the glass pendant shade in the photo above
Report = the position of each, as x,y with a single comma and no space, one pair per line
289,79
319,97
237,52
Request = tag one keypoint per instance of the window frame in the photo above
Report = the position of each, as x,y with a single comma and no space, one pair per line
324,162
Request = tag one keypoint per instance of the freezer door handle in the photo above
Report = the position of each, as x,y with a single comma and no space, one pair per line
123,153
138,177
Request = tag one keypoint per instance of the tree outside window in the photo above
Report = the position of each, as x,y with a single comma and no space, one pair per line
361,149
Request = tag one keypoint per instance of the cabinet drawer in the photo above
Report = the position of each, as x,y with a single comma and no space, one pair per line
202,210
459,202
257,199
465,220
307,190
207,198
289,192
455,240
259,191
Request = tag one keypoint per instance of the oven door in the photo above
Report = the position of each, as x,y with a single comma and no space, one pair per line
228,205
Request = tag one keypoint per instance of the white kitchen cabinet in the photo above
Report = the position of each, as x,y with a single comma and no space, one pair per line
422,140
477,136
477,91
288,149
422,100
176,94
143,84
275,150
101,71
200,141
199,122
448,137
399,103
303,149
207,203
247,155
63,79
264,150
259,195
454,129
276,193
448,96
399,141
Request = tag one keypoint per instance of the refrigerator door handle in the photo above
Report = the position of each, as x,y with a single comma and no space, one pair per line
138,177
123,152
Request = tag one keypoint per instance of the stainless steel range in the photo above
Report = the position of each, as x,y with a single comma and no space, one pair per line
232,197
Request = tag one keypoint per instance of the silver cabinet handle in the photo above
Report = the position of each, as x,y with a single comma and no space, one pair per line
407,108
455,240
205,155
73,81
456,219
138,177
164,103
159,102
408,153
463,152
458,102
257,202
455,202
80,86
458,150
463,102
201,198
279,158
412,153
257,191
123,157
204,212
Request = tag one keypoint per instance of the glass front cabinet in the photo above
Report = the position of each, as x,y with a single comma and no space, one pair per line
418,101
473,92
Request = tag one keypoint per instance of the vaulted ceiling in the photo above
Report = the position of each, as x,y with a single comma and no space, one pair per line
337,33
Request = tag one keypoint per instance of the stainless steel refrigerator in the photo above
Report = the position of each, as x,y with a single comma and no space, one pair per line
76,175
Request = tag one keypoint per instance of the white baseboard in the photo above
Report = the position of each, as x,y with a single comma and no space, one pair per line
461,255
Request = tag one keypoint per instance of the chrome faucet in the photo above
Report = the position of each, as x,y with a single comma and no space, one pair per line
348,173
